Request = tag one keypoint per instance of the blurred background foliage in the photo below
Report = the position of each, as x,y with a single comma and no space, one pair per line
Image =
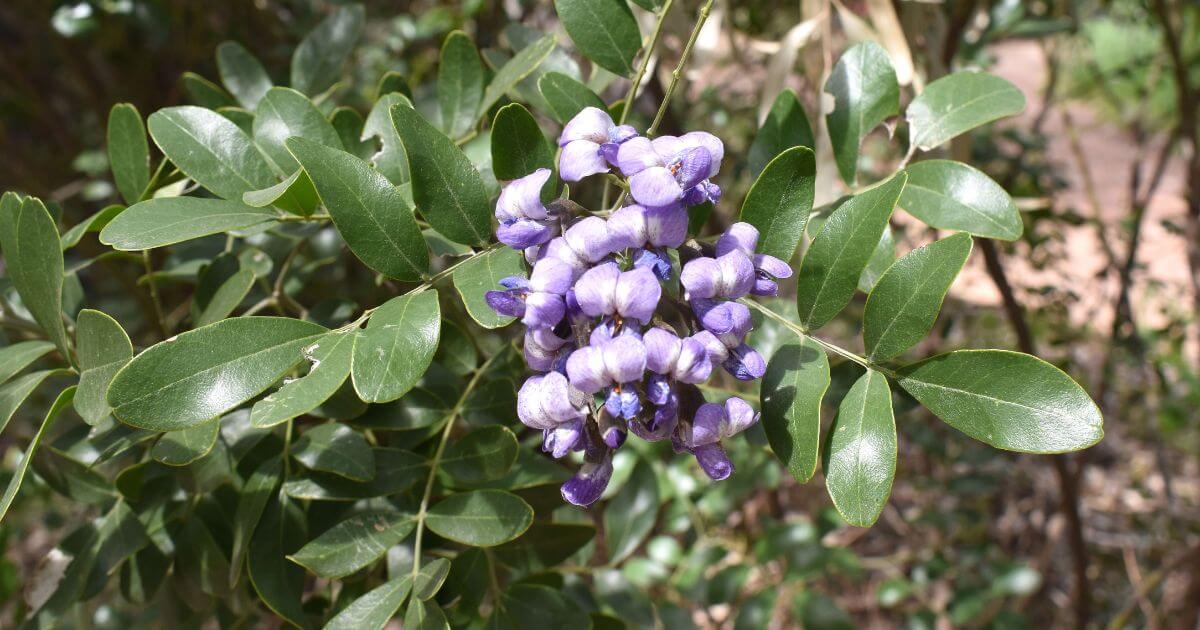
1104,283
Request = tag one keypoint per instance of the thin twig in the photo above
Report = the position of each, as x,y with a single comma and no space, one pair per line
678,72
160,321
647,54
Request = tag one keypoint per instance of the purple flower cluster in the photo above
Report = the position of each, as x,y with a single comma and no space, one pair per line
617,353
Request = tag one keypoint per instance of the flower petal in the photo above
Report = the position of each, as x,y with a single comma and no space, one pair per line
585,367
624,359
737,275
596,290
740,236
662,350
692,167
693,365
666,226
701,278
505,303
655,186
579,159
550,275
522,198
637,155
591,123
543,310
589,238
627,227
706,427
524,233
637,294
739,416
713,461
586,487
711,143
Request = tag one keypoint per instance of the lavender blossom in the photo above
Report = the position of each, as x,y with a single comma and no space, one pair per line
743,237
649,232
524,220
605,290
713,422
589,144
538,301
582,245
588,485
672,169
730,276
549,403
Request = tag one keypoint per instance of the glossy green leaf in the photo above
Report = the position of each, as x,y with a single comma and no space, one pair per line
430,578
520,66
905,302
243,74
390,159
72,478
34,263
13,394
180,448
518,145
531,605
94,223
210,149
631,514
865,93
791,391
338,449
260,487
483,518
227,298
881,258
786,126
169,220
329,364
483,273
960,102
14,484
285,113
128,151
395,471
1009,400
349,125
483,455
205,93
423,615
203,373
353,543
837,255
780,201
393,81
296,194
318,61
603,30
459,84
278,581
396,347
566,96
21,355
368,211
374,609
545,546
862,451
448,190
951,195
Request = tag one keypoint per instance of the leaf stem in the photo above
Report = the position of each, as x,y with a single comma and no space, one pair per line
829,347
154,297
678,72
437,460
647,53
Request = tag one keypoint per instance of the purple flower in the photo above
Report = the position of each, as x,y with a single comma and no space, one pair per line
668,169
743,237
589,144
544,348
712,423
605,290
524,221
620,361
729,276
538,301
549,403
684,360
582,245
724,343
587,486
638,226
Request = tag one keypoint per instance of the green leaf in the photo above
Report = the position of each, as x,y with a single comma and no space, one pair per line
951,195
630,515
957,103
368,211
786,126
482,273
285,113
520,66
905,302
94,223
353,543
329,359
252,500
318,61
865,93
205,93
243,74
279,582
20,355
374,609
780,201
393,81
483,518
792,389
545,546
34,262
395,472
529,605
169,220
391,159
566,96
128,151
518,145
13,394
881,258
338,449
862,451
180,448
349,125
210,149
459,84
1009,400
422,615
603,30
837,255
296,194
448,190
397,346
430,578
72,478
203,373
483,455
226,298
18,477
